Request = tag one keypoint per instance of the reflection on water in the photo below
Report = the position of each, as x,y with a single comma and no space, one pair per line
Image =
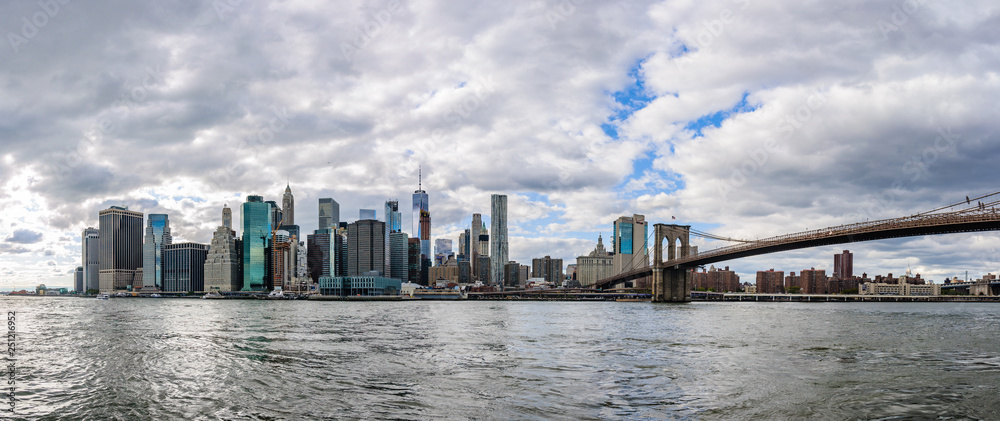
211,359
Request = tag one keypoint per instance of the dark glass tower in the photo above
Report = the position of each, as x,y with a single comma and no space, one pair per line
157,237
256,218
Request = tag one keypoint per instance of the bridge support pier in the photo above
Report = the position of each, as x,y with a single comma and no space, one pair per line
671,284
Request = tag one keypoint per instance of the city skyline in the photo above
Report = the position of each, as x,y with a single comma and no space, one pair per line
580,115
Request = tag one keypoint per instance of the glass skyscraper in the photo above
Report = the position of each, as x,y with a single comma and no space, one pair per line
256,218
498,245
393,222
329,213
421,205
157,237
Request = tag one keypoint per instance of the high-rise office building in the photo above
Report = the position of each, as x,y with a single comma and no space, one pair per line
629,241
288,207
222,264
365,247
512,275
227,217
393,218
421,204
393,223
483,245
464,270
276,214
463,243
184,267
157,237
498,244
483,266
256,216
843,265
78,279
367,214
398,256
413,260
474,233
120,249
91,259
322,256
329,213
549,269
282,260
425,235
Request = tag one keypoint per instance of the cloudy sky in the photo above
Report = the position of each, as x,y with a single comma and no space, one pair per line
743,118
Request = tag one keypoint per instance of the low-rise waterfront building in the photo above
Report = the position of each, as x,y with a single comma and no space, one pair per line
370,285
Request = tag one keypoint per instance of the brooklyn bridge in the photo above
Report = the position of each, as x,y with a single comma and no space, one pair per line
671,275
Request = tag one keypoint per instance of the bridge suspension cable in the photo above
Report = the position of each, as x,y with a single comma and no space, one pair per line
715,237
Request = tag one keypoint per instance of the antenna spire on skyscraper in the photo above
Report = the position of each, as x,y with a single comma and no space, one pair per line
420,178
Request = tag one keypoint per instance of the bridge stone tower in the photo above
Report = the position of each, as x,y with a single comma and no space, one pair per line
671,284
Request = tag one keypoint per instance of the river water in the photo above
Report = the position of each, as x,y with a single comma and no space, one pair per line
226,359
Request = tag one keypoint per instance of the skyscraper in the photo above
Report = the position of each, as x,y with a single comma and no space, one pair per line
425,235
276,214
222,265
498,245
393,222
463,244
288,207
91,259
157,237
477,226
227,217
367,214
120,248
184,267
393,219
256,217
629,242
282,260
321,249
329,214
398,256
420,205
78,279
365,247
413,259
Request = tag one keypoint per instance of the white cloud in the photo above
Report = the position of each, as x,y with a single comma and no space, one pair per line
172,108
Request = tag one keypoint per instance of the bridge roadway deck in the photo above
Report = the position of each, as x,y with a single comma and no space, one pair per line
866,231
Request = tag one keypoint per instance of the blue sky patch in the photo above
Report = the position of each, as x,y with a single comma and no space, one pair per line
715,119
